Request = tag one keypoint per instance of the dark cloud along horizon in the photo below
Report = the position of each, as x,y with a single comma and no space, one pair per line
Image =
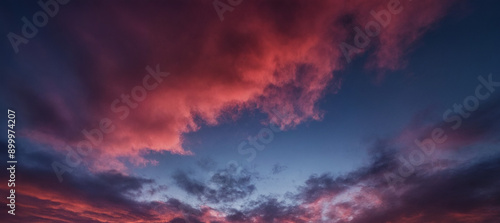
467,191
225,185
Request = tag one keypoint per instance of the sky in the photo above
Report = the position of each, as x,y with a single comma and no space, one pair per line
252,111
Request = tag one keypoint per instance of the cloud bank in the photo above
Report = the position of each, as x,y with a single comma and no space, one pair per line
264,55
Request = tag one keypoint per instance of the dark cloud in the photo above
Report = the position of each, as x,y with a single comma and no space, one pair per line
182,220
483,124
277,168
81,197
469,193
318,186
191,186
268,209
225,185
236,216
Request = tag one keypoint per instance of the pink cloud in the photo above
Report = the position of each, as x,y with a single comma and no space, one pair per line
265,55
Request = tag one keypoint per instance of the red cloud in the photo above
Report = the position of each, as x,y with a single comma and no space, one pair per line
265,55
